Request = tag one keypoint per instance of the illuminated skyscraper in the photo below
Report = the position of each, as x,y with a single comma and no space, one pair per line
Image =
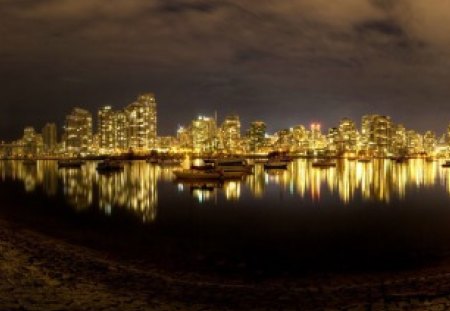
120,125
347,139
429,142
300,137
203,131
141,116
399,142
184,138
49,137
256,135
32,142
231,133
317,141
106,129
376,134
284,140
414,142
78,131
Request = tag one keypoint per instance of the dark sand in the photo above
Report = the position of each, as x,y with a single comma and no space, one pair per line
44,273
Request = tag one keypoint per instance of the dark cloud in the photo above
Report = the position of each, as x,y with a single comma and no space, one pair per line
386,27
187,6
309,59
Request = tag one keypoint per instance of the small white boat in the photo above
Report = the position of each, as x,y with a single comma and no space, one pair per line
323,164
70,163
109,166
273,164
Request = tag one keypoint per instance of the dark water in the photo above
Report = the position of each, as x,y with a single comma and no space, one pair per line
354,216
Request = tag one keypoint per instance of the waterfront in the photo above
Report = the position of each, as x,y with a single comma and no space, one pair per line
336,218
313,234
143,188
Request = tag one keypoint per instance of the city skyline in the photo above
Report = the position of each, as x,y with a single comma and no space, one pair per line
134,128
285,63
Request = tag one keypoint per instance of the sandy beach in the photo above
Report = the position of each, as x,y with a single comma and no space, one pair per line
44,273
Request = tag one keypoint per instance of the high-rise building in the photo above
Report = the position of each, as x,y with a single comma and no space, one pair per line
376,134
317,141
399,143
231,133
347,138
204,134
256,135
414,142
429,142
49,137
141,116
184,138
300,136
284,140
106,129
78,131
120,124
32,143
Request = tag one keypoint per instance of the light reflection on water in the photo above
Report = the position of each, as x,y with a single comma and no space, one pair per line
137,188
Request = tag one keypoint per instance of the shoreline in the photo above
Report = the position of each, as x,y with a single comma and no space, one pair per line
45,273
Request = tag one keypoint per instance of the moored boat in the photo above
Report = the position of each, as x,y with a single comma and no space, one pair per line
274,164
323,164
446,164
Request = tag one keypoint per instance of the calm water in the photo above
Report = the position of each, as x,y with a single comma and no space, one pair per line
351,215
144,188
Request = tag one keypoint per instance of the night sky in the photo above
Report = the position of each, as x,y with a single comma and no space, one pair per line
284,61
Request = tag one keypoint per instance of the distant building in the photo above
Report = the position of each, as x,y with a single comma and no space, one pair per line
414,142
347,138
31,142
50,138
429,142
376,134
231,134
399,140
78,131
106,130
121,133
142,123
256,135
284,140
300,136
203,131
317,141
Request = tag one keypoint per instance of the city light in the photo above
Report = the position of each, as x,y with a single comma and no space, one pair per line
133,131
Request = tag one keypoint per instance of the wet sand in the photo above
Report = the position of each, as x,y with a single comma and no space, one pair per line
39,272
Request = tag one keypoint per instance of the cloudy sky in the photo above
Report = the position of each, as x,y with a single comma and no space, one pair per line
287,62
